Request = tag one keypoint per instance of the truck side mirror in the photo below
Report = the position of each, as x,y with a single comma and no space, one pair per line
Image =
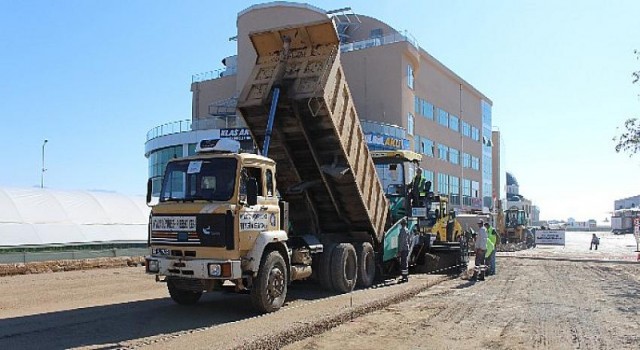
252,191
149,185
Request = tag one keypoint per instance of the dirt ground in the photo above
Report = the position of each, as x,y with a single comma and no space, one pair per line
530,304
566,297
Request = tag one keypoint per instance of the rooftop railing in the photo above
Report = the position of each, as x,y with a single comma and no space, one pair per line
213,74
384,40
169,128
217,122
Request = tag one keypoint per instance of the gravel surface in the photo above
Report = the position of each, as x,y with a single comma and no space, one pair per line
530,304
542,298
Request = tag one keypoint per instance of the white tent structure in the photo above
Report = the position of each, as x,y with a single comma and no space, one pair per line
37,217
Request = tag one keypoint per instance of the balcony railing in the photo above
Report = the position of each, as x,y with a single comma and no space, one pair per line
169,128
384,40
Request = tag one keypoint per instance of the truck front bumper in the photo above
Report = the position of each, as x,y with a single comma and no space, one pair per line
193,268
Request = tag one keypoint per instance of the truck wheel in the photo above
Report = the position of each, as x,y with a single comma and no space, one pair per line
323,267
344,268
182,296
366,265
270,286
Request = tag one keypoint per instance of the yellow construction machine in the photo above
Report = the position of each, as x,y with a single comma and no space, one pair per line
515,228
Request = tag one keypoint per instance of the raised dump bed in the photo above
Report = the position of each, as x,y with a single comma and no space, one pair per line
323,165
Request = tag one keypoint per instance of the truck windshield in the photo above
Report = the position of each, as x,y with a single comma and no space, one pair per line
394,175
206,179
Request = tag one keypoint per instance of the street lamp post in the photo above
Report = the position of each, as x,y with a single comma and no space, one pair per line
43,168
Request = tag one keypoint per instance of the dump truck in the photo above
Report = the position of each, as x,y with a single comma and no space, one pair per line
309,205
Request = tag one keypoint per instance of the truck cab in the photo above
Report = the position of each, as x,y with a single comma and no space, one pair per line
217,214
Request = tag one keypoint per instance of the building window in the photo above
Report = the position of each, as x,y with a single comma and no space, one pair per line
443,152
475,163
454,156
453,122
466,187
410,76
475,189
427,147
466,160
475,133
423,108
443,117
454,190
375,33
427,109
443,183
466,129
417,144
410,124
428,176
466,192
158,162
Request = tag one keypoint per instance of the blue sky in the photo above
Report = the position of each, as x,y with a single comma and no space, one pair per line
93,77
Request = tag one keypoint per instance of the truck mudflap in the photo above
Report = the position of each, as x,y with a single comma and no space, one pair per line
194,268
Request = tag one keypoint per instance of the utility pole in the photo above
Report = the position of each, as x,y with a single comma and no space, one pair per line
43,168
461,152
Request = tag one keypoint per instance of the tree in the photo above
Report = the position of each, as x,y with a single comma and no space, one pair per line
629,140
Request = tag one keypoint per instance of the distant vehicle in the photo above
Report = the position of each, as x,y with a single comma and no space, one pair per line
622,220
516,227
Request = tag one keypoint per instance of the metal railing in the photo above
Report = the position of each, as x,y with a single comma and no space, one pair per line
217,122
213,74
384,40
169,128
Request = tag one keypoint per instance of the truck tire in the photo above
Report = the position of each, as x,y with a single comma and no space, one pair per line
366,265
270,286
344,268
182,296
323,267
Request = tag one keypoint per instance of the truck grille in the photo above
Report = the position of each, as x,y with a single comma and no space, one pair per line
198,230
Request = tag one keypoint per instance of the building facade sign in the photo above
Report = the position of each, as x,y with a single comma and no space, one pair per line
238,134
379,141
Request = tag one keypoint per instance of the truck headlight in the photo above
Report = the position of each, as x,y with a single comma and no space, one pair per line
153,265
215,270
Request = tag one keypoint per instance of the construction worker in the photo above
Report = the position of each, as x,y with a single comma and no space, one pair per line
594,242
490,255
403,251
418,189
481,249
